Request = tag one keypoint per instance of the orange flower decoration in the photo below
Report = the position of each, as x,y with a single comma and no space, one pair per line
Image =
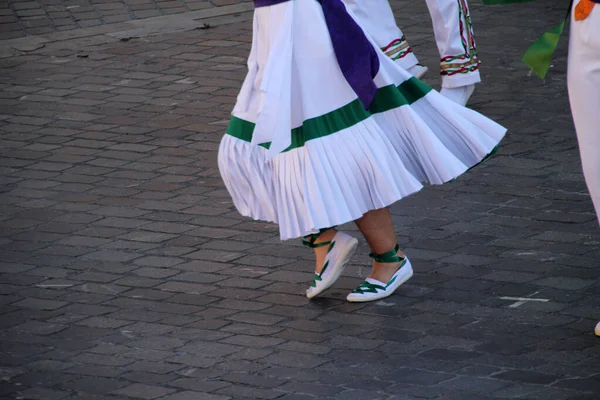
583,9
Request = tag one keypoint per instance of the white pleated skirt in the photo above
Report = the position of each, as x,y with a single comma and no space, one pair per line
343,160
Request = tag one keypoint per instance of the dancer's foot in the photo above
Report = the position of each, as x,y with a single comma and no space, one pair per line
418,70
597,329
390,270
333,250
459,95
383,271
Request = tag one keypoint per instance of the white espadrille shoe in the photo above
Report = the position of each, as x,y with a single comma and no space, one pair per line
459,95
372,289
418,71
341,249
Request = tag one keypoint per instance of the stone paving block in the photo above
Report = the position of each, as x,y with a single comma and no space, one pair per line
95,370
308,337
564,283
239,391
193,299
153,367
40,304
310,348
192,360
199,385
149,378
198,277
256,318
192,395
243,283
419,377
295,359
103,322
214,255
39,328
144,326
474,384
252,341
44,394
527,377
147,237
166,227
158,262
450,354
142,391
204,329
184,287
87,396
94,385
209,349
583,384
148,293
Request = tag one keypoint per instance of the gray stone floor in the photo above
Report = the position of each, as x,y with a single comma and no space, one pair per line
34,17
126,273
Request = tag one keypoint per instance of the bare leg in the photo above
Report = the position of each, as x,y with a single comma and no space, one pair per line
321,252
376,226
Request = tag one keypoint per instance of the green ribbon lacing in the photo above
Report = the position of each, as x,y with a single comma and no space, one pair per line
311,243
389,257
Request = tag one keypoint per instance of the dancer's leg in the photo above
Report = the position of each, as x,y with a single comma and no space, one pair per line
584,94
459,64
583,79
377,227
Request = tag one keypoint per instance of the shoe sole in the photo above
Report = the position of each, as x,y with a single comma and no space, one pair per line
382,295
350,248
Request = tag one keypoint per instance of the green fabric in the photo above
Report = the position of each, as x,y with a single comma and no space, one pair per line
331,247
317,278
312,238
367,287
387,98
388,257
314,245
539,55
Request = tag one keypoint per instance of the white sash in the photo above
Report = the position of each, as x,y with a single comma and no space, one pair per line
274,123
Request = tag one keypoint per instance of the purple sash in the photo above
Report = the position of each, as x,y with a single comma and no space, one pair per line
267,3
356,56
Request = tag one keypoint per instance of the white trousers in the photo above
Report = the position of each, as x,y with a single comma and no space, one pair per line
583,78
459,64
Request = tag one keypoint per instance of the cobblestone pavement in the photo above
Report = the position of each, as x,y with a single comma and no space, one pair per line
33,17
126,273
